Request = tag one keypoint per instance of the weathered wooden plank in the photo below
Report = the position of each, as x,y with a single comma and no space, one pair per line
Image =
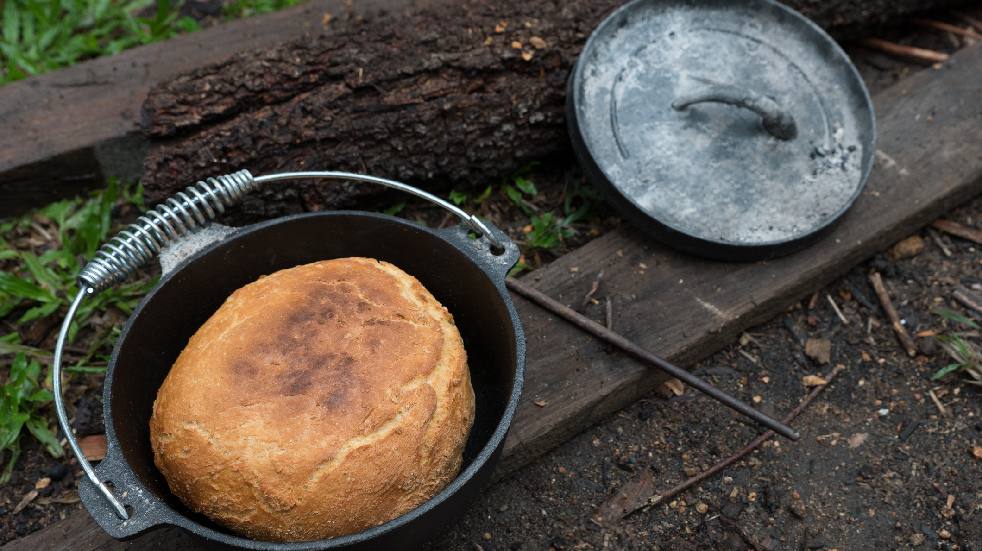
685,308
73,127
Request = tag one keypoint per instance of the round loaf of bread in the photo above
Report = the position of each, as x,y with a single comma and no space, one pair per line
316,402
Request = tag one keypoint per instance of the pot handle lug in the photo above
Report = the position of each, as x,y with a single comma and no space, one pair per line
495,261
776,120
143,510
189,212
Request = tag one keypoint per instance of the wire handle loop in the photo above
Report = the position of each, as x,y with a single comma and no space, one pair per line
187,211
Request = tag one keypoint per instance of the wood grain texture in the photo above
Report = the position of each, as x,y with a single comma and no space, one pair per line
685,308
70,128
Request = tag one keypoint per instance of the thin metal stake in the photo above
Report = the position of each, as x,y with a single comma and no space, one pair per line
647,357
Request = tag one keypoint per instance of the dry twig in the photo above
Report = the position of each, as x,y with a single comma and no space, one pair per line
746,450
958,230
921,54
947,27
973,21
967,300
838,312
898,327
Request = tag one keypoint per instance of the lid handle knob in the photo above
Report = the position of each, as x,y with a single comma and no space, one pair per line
778,122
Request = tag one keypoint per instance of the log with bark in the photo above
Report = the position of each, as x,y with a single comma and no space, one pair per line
457,94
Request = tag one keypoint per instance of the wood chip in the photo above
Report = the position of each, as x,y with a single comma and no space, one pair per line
857,439
673,386
907,248
813,380
42,483
819,350
94,446
516,45
537,42
25,501
527,55
977,452
500,27
541,403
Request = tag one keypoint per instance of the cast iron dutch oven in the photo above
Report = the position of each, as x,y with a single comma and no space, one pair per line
464,267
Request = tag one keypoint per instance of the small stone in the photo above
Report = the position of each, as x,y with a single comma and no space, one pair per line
516,45
912,246
944,534
819,350
57,471
917,538
702,508
541,403
758,398
527,55
977,452
797,505
537,42
500,27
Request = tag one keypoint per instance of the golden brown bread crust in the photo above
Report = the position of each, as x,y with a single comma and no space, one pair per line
318,401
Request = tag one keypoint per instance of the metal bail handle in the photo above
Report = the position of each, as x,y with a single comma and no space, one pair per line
777,121
186,211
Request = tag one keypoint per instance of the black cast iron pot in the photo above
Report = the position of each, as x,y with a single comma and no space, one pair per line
462,272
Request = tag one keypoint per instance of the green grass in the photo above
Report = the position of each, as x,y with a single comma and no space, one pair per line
38,36
966,355
40,255
245,8
41,35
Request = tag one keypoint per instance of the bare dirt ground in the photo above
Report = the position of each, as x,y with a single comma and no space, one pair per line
879,465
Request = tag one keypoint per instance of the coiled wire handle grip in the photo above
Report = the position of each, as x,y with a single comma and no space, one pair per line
185,212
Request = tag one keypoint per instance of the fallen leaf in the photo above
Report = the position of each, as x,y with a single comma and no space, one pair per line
537,42
673,386
857,439
94,447
819,350
24,501
631,496
912,246
812,380
488,41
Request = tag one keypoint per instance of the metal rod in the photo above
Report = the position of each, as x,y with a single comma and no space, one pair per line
63,416
647,357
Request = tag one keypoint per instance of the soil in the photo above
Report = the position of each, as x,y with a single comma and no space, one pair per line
874,469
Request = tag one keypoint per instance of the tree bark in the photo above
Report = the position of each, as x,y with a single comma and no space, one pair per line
458,94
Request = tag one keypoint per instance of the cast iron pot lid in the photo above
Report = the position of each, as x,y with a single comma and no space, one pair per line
732,129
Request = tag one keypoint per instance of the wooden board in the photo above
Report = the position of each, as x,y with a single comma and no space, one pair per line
685,308
71,128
